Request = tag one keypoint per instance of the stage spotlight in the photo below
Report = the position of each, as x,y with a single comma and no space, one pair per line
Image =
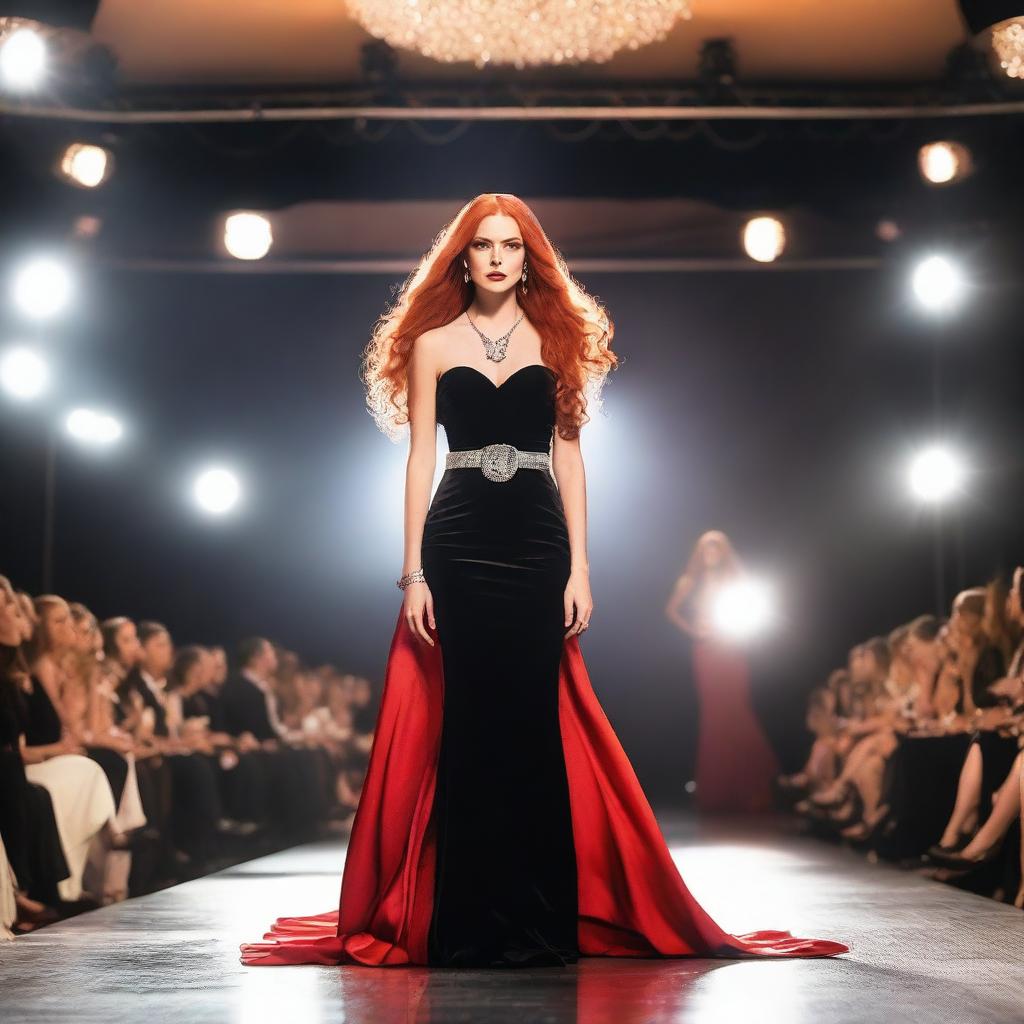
42,287
938,284
86,165
23,55
742,609
764,238
943,163
247,236
936,474
23,373
216,490
91,426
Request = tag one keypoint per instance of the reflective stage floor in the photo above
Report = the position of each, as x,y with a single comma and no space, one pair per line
922,952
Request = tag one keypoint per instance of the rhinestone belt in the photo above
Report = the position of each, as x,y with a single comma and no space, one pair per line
497,461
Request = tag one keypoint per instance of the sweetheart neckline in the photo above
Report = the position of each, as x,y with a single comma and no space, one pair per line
480,373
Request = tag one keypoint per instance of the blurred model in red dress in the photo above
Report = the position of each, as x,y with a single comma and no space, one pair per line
736,765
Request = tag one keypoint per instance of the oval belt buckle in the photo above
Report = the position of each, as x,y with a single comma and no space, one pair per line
499,462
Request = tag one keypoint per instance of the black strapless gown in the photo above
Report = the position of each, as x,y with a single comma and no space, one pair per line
501,822
496,558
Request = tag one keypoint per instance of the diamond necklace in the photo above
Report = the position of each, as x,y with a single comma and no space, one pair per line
496,348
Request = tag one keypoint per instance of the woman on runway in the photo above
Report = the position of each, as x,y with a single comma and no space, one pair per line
500,822
736,765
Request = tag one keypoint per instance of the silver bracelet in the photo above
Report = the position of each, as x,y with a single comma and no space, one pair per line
416,576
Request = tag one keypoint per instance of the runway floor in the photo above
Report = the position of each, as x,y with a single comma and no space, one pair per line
922,952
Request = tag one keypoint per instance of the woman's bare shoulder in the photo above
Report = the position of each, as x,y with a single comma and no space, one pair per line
435,344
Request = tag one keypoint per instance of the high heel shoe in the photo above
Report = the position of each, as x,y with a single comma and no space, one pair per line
938,850
844,795
958,862
850,811
852,816
869,830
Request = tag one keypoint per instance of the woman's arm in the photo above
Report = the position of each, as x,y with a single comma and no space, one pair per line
43,752
569,474
97,728
100,717
674,606
419,477
50,676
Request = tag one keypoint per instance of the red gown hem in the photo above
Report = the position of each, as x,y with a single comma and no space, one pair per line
632,900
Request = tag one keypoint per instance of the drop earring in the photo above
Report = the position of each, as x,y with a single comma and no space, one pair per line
465,276
524,279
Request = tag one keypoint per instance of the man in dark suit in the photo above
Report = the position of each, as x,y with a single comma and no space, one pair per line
247,699
147,678
196,810
296,775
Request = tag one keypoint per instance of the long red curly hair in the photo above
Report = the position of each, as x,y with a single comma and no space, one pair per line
574,327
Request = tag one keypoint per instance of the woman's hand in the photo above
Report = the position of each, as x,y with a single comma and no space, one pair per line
577,593
69,745
418,608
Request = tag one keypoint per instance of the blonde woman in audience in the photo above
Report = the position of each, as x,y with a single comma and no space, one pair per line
941,681
889,678
821,766
980,658
91,718
993,756
870,714
82,798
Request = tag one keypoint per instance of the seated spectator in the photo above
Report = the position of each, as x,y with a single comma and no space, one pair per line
930,762
196,808
126,764
82,798
28,824
300,778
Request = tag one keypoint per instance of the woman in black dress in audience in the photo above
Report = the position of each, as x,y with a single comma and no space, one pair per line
27,823
988,794
921,775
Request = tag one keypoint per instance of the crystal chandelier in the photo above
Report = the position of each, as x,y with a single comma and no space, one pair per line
519,32
1008,45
